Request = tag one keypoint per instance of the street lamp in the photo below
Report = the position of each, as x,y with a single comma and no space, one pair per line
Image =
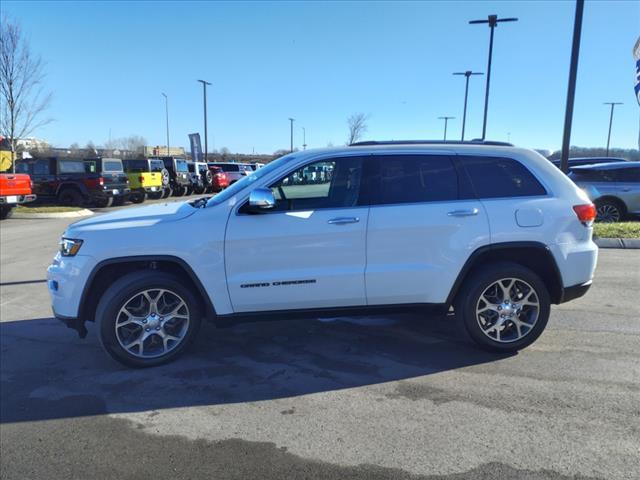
304,138
204,91
166,107
493,21
467,74
613,104
446,120
291,120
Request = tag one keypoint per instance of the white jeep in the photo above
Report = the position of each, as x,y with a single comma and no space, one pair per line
496,232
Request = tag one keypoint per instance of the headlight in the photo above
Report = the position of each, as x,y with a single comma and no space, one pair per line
69,246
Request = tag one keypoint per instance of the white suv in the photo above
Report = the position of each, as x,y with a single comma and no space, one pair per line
496,232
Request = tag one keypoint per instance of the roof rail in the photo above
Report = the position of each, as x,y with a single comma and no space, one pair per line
431,142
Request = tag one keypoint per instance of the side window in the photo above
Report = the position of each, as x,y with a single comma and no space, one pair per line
72,166
331,183
412,179
498,177
89,167
41,167
627,175
22,167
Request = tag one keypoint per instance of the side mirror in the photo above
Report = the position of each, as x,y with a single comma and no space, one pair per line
261,199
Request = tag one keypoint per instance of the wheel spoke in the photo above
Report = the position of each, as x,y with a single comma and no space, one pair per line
506,291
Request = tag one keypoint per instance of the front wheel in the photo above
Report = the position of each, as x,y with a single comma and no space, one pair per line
147,318
6,211
504,307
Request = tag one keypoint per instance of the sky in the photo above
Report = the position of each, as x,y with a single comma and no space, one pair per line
107,64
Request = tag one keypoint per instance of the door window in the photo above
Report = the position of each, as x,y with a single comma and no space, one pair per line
41,167
411,179
331,183
499,177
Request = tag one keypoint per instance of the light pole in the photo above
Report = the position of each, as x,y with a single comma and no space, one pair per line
467,74
291,120
166,107
304,138
493,21
204,99
613,104
571,89
446,120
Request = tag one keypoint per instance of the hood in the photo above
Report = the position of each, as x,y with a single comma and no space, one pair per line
137,217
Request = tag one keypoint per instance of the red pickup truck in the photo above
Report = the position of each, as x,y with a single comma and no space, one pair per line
15,188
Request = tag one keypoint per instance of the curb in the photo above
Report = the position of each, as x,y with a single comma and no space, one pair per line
632,243
27,216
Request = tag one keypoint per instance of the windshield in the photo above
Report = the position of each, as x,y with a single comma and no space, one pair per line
240,185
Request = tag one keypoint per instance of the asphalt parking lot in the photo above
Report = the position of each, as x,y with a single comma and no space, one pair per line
366,398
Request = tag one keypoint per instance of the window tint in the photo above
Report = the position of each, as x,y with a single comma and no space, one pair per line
411,179
497,177
71,166
42,167
135,166
228,167
331,183
111,166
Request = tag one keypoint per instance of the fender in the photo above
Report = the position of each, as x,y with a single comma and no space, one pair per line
506,246
150,259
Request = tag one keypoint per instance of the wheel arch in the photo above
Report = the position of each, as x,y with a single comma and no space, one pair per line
107,271
533,255
73,186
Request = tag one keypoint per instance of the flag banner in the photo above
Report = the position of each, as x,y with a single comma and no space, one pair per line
196,148
636,55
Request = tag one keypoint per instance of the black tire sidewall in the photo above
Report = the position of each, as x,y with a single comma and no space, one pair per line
467,299
123,289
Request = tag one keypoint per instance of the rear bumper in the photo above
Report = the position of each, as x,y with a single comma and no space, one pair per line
575,291
17,199
112,192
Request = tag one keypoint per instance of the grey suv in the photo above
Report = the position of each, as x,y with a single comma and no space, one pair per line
613,187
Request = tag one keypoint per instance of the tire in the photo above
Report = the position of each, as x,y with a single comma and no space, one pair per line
167,192
155,195
137,197
188,191
199,190
166,178
70,197
179,191
482,286
609,211
119,201
6,211
128,290
103,202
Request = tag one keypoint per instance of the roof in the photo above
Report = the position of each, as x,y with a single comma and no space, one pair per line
430,142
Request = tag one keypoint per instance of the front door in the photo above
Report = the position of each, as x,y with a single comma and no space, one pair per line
309,251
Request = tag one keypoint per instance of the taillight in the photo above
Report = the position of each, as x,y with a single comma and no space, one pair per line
586,213
141,179
101,181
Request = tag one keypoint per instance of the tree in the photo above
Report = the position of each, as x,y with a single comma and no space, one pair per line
224,153
357,127
21,86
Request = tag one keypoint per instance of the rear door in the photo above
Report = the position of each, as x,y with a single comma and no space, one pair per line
309,252
42,172
423,225
114,177
628,183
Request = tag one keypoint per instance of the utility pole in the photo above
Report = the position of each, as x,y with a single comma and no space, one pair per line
467,74
613,104
304,138
446,120
204,91
571,89
291,120
166,106
492,21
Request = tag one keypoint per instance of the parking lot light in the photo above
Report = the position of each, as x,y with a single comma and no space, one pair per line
204,99
467,74
446,120
613,104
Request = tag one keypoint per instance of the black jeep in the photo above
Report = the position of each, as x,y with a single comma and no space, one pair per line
178,169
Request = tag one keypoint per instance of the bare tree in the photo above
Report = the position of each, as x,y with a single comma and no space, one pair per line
21,86
224,153
357,127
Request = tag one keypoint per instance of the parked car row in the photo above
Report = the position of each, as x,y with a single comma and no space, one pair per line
103,182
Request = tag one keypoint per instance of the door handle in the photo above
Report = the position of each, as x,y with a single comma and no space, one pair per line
343,220
463,213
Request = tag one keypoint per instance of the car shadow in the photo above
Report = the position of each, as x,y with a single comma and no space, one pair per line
48,373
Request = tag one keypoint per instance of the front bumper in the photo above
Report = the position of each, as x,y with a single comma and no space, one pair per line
66,278
73,323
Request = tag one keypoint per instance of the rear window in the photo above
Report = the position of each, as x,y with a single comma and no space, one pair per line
135,166
156,165
228,167
499,177
111,166
182,166
71,166
411,179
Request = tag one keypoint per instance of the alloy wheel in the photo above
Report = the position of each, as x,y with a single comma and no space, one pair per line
507,310
608,213
152,323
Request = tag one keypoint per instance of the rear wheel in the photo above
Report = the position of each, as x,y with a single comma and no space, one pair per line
118,201
105,202
609,211
147,318
167,192
504,307
199,190
179,191
70,197
6,211
188,191
137,197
